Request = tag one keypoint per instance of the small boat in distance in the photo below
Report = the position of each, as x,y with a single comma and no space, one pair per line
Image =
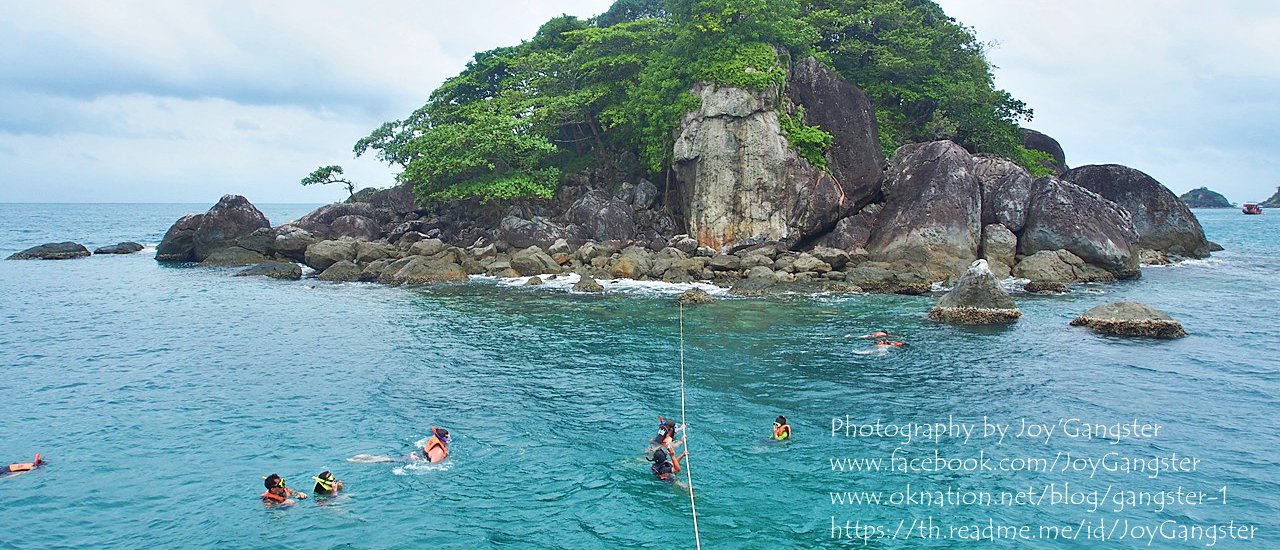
1251,208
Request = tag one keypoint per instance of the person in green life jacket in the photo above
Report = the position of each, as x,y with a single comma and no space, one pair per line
781,430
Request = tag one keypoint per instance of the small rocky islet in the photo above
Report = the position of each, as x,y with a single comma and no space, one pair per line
741,209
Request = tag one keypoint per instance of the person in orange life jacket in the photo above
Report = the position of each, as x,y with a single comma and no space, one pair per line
326,485
437,446
781,430
890,343
664,470
22,466
277,493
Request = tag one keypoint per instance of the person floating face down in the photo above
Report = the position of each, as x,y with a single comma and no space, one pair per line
326,485
437,447
277,493
20,467
663,469
781,430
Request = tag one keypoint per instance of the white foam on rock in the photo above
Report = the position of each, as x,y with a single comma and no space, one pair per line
565,282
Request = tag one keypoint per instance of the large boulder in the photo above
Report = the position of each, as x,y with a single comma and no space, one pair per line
587,284
840,108
420,270
229,220
178,244
52,251
359,228
523,233
1130,319
1065,216
321,255
533,261
932,211
261,240
1006,191
1059,266
853,232
344,271
292,242
319,222
999,248
1163,222
399,199
1037,141
977,299
741,183
127,247
602,217
233,255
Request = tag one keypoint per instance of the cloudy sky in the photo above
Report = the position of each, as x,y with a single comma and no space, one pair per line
171,101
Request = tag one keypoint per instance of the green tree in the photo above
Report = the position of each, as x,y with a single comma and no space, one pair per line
329,174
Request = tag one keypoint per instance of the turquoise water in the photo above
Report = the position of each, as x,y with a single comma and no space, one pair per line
161,395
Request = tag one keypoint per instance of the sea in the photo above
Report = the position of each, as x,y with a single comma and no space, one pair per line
161,395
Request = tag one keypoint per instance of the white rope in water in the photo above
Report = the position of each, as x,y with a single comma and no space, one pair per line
697,539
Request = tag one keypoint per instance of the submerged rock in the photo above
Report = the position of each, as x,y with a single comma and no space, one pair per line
587,284
127,247
534,281
694,296
52,251
273,269
1130,319
977,299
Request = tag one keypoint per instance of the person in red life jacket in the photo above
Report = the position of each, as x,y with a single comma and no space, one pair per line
437,447
21,467
326,485
277,493
663,469
781,429
890,343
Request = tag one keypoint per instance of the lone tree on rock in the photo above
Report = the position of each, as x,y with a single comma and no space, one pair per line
330,174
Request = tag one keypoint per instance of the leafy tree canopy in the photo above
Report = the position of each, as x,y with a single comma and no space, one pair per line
608,93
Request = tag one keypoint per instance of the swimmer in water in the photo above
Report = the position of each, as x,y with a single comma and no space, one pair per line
781,430
437,447
665,470
874,335
277,493
326,485
21,467
666,436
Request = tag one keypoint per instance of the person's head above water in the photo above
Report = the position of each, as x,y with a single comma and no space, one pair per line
659,457
272,481
780,422
441,433
325,482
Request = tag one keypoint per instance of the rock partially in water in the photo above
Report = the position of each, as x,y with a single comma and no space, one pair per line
1065,216
587,284
52,251
127,247
533,261
292,242
977,299
999,248
1130,319
224,224
273,269
534,281
1045,287
1163,221
321,255
1059,266
233,255
420,270
343,271
178,244
694,296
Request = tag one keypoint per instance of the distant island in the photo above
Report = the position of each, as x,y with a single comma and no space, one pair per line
1273,202
1204,198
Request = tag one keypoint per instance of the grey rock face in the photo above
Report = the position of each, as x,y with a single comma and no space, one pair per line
122,248
533,261
320,220
1006,191
999,248
273,269
292,242
853,232
52,251
977,299
1163,221
233,255
343,271
321,255
359,228
1065,216
1130,319
602,217
523,233
587,284
1059,266
178,244
932,211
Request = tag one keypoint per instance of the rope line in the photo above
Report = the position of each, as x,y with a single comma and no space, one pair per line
697,539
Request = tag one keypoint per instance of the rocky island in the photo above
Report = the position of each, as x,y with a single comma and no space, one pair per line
1202,197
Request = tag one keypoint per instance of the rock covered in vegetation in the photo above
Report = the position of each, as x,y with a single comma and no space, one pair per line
1065,216
1273,201
977,299
1163,222
1130,319
273,269
127,247
1037,141
932,211
1202,197
52,251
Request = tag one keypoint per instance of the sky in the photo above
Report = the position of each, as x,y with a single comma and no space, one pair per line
179,101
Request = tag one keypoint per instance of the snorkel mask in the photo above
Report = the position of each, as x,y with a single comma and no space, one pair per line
325,481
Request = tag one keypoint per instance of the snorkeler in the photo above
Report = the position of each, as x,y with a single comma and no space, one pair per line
20,467
664,470
437,446
781,430
874,335
277,493
326,485
890,343
666,435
